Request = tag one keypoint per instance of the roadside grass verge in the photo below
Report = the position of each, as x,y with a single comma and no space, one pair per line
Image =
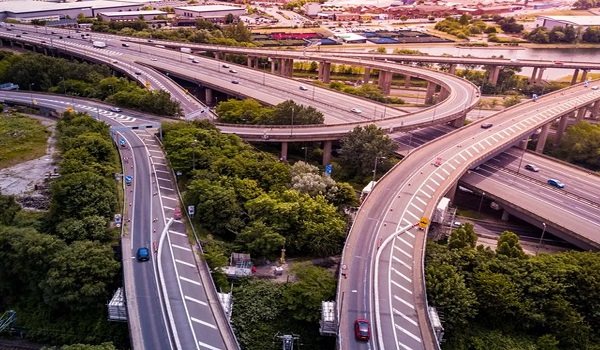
21,139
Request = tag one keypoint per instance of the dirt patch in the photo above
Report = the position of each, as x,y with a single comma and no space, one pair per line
28,181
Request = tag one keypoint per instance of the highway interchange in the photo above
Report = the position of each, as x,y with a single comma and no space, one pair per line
404,195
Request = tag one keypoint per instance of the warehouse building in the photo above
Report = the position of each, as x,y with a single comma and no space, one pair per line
127,16
209,12
582,22
26,11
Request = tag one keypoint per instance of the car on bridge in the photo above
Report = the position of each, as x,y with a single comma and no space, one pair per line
532,167
355,110
303,88
362,330
556,183
143,254
115,109
486,125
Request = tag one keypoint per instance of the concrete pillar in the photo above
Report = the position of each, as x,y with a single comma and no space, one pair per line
324,68
505,215
444,94
584,75
594,110
562,125
407,81
284,151
452,192
539,148
523,144
290,68
452,69
534,74
327,152
540,75
385,82
494,74
273,66
580,114
575,74
367,76
208,96
249,62
217,55
431,87
460,121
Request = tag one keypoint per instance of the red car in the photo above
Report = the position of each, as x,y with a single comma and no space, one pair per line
362,330
558,62
177,213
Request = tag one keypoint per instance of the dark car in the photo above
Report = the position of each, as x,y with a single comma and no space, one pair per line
486,125
143,254
556,183
232,71
532,167
235,82
362,329
125,45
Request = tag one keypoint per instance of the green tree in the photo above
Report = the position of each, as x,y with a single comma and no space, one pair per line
580,145
291,113
260,240
8,209
90,228
303,298
539,35
361,146
103,346
463,237
246,111
509,246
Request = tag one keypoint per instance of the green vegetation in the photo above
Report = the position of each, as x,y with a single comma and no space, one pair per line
580,145
205,32
44,73
21,139
567,35
58,269
368,91
504,299
249,111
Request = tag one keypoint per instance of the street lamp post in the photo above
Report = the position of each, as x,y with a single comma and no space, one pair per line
194,143
31,93
305,153
541,239
292,127
375,167
522,155
481,202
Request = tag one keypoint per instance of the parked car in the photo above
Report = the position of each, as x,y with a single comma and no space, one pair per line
143,254
556,183
362,329
486,125
532,167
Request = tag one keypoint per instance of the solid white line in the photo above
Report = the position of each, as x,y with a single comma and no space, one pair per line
404,346
430,188
171,198
162,171
420,200
195,300
414,205
435,182
203,323
446,171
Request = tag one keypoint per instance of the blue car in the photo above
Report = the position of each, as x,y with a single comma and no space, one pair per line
556,183
143,254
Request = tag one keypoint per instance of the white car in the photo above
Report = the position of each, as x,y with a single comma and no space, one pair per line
303,88
153,59
595,87
115,109
355,110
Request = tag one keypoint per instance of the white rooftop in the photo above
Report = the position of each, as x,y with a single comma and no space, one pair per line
37,6
207,8
134,13
576,20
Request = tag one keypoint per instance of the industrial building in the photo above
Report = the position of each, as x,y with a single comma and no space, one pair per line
26,11
209,12
582,22
124,16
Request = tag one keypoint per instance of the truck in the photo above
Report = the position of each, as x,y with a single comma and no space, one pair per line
439,214
186,50
99,44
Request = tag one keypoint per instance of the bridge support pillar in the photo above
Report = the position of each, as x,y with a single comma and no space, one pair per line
494,74
540,76
327,145
460,121
594,110
367,76
584,75
289,71
385,81
575,76
444,94
208,96
580,114
451,192
505,215
284,151
217,55
539,148
431,87
407,81
452,69
534,74
562,125
324,69
252,62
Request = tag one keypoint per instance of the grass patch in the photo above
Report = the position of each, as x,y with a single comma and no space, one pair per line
21,139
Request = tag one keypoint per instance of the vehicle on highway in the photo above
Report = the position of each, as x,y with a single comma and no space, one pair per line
225,66
232,71
362,330
486,125
154,59
99,44
195,61
125,45
595,87
456,224
24,32
177,213
355,110
115,109
558,62
18,35
556,183
143,254
53,32
303,88
532,167
138,73
235,82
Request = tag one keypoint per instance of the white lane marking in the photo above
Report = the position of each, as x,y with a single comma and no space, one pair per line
404,241
435,182
404,302
413,215
178,233
414,205
405,317
408,333
403,263
204,323
446,171
440,176
430,188
169,198
184,263
210,347
181,247
402,275
420,200
190,281
194,300
399,286
402,251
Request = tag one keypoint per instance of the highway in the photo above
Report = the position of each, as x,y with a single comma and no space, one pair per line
404,195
